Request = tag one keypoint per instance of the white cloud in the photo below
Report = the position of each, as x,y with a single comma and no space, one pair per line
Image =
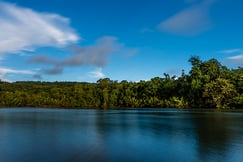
4,71
230,51
23,29
236,57
8,70
97,73
191,21
236,60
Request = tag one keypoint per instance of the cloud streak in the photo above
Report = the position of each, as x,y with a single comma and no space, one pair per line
236,57
42,60
230,51
23,29
53,71
236,60
96,73
5,71
97,55
189,22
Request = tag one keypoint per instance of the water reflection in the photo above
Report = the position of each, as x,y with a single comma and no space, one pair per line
216,134
119,135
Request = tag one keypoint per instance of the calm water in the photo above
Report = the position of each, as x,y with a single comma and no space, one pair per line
49,135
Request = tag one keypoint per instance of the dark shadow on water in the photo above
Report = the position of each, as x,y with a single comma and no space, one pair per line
216,134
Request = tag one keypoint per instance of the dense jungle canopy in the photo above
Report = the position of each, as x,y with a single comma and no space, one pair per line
208,85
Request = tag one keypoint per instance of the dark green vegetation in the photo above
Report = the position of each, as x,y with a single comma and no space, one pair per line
208,85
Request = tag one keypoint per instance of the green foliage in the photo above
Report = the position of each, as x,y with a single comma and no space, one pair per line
237,102
219,92
208,84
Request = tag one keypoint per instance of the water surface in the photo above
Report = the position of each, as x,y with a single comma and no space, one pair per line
38,135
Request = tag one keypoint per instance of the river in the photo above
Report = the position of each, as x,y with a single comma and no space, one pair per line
61,135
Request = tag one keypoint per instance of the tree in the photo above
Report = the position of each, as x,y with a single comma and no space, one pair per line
195,71
211,69
208,84
219,92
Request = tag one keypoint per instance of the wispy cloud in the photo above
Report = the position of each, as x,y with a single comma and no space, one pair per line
55,70
97,73
230,51
235,56
5,71
23,29
96,55
236,60
190,21
42,60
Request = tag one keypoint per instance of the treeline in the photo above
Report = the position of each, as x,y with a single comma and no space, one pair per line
208,85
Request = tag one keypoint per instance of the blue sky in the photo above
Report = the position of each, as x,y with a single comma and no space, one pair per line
85,40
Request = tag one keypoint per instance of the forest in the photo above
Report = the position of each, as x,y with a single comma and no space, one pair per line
207,85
